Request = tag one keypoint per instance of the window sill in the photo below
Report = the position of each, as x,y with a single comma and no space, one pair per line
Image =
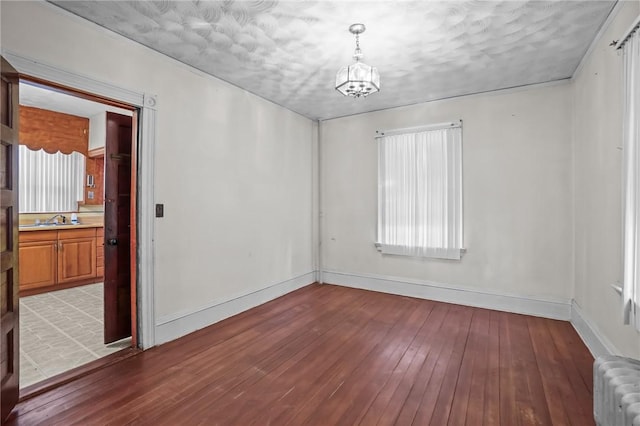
399,252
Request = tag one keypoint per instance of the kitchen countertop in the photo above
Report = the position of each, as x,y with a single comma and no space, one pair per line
27,228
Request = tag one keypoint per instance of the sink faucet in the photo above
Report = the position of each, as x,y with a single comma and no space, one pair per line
54,217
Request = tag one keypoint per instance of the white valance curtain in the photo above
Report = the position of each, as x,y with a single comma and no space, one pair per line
420,193
631,149
50,182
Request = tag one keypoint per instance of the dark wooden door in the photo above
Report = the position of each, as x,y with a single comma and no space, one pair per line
117,231
10,330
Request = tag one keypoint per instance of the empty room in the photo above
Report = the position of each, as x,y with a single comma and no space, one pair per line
324,212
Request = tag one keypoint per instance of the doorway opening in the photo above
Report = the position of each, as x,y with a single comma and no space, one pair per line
77,244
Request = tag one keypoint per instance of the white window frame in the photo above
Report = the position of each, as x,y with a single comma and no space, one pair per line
630,46
406,227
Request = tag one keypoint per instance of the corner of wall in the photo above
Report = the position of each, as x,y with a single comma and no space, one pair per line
603,28
596,104
315,196
572,283
595,341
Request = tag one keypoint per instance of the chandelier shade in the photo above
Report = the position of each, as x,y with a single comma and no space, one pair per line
358,79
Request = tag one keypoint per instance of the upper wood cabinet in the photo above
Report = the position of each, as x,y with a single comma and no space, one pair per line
53,131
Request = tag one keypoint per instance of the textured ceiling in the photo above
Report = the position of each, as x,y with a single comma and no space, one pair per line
289,51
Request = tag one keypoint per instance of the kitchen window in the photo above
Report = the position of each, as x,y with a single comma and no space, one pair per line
50,182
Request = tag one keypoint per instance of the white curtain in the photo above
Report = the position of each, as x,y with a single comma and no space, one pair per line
631,149
50,182
420,193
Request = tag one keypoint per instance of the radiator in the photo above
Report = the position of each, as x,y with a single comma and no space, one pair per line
616,391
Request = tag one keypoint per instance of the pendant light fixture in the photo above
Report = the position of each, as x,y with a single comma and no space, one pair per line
359,79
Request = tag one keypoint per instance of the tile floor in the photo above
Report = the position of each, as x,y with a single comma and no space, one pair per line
61,330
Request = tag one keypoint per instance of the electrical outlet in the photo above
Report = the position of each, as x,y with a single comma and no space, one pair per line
90,195
159,210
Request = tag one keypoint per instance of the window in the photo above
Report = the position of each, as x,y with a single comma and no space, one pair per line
420,191
631,151
50,182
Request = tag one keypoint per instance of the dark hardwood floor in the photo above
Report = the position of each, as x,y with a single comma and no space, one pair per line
329,355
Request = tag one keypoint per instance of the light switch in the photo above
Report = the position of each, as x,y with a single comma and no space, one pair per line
159,210
90,195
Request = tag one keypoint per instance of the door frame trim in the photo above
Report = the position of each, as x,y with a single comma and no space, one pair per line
147,104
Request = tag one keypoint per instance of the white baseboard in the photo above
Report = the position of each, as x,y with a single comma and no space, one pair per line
443,293
596,343
173,326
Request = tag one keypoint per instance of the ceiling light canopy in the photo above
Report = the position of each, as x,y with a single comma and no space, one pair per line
359,79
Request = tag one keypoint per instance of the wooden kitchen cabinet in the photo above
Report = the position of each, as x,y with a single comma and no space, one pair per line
76,255
55,259
38,257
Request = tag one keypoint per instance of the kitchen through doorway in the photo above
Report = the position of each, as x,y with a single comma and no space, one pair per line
72,286
61,330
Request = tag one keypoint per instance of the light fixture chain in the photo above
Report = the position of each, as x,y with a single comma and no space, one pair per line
357,54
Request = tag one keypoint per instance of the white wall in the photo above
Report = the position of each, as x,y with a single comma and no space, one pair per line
597,92
97,130
517,194
233,170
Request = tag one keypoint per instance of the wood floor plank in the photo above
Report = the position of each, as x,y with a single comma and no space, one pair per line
376,401
426,389
387,405
529,392
373,372
561,378
468,403
556,388
492,415
307,372
446,375
329,355
318,394
508,384
580,361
